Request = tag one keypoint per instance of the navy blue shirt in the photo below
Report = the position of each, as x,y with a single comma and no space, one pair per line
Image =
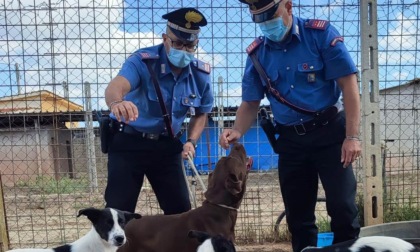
303,68
191,90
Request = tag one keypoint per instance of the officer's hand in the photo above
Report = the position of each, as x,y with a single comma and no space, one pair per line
188,149
228,137
125,111
350,151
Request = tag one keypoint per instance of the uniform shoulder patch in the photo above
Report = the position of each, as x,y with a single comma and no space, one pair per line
146,55
254,45
336,40
202,66
316,24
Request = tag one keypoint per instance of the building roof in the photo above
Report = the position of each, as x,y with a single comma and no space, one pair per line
37,102
415,81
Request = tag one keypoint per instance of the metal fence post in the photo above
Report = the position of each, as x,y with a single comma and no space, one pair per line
373,191
220,114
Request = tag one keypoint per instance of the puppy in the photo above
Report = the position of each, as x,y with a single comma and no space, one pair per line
368,244
209,243
107,233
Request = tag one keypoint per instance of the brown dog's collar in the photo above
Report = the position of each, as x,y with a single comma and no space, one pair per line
228,207
222,205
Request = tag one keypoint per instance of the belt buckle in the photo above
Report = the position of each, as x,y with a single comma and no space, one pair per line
152,136
300,129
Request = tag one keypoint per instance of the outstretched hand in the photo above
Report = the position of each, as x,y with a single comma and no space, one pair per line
125,111
228,137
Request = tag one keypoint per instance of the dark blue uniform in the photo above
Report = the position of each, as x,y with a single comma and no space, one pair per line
303,68
191,90
142,147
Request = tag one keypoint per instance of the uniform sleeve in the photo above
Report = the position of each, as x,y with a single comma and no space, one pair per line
207,99
132,70
252,88
337,60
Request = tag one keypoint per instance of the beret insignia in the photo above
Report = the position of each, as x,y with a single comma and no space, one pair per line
251,3
192,16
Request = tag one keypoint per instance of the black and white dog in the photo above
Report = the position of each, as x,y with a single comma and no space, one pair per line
368,244
107,233
209,243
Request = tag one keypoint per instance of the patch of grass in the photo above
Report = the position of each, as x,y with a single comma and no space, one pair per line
361,207
395,209
249,234
323,224
283,235
400,210
49,185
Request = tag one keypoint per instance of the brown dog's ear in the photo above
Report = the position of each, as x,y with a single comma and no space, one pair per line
233,184
129,216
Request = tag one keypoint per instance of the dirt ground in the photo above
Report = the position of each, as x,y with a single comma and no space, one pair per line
275,247
41,220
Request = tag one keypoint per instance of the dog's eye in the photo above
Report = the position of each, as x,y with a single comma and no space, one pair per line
120,221
233,177
110,222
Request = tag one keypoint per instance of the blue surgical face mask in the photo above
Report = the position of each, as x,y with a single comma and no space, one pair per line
180,58
274,29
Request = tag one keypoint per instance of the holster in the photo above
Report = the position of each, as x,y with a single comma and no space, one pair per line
105,132
268,128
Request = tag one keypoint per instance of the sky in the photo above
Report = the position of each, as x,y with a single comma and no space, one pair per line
79,41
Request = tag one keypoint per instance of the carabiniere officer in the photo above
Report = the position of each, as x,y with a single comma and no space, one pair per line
141,144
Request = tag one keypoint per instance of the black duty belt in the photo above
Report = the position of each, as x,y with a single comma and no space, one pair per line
127,129
322,119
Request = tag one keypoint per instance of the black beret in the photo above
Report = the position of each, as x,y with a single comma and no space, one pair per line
185,23
262,10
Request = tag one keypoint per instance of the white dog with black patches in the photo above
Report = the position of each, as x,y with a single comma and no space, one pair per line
209,243
107,233
368,244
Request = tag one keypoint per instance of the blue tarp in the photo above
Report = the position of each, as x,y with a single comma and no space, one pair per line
254,141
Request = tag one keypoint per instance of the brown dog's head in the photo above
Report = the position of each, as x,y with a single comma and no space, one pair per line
227,183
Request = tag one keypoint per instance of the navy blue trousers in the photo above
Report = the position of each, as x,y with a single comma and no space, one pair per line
302,160
132,157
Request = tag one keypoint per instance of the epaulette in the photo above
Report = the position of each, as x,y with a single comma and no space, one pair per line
203,66
254,45
146,55
316,24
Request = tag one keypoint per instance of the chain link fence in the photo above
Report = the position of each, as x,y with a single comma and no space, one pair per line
57,57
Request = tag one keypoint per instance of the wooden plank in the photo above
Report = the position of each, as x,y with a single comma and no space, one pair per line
4,235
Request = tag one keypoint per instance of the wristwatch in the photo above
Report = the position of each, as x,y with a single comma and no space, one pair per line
194,143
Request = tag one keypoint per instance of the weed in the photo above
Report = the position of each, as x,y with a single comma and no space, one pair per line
50,185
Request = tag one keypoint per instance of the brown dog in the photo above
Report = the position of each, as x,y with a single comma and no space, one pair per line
217,215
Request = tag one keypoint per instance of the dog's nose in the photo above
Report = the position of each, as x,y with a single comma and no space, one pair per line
119,240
